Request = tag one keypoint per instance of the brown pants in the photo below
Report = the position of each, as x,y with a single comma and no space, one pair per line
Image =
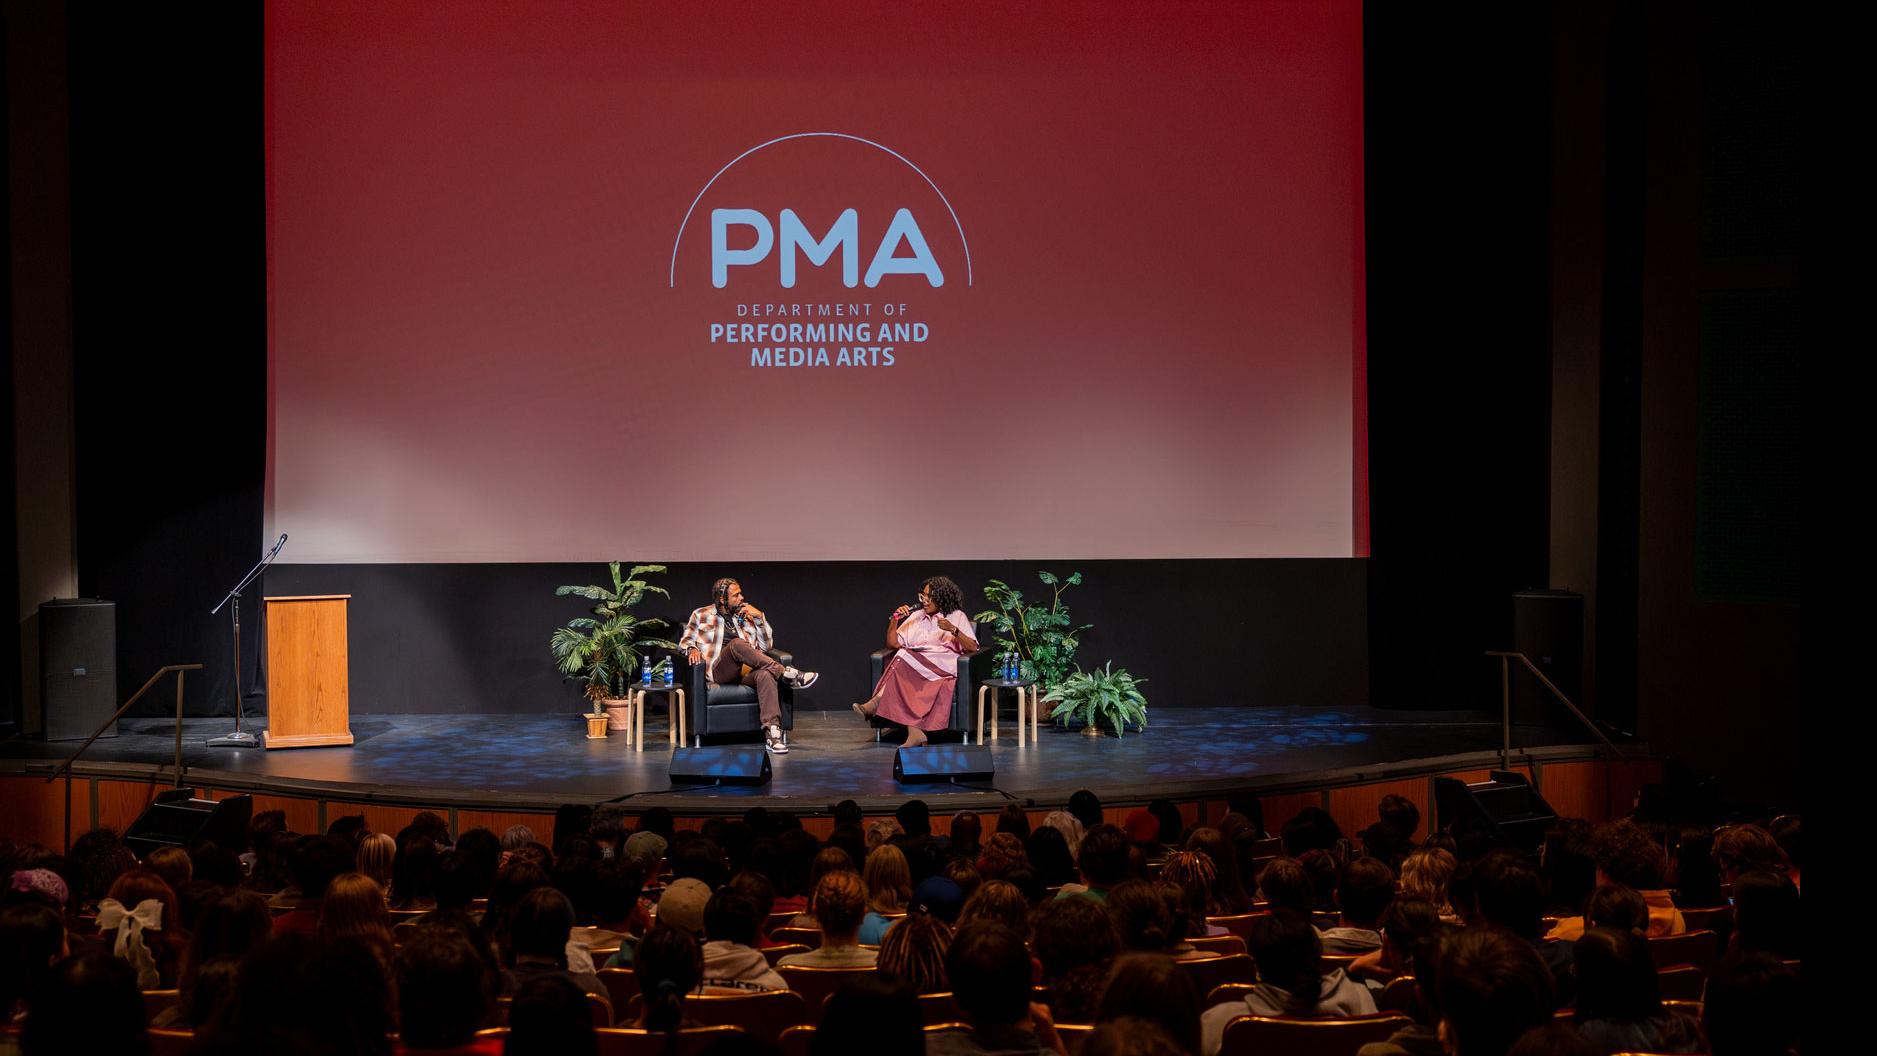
737,654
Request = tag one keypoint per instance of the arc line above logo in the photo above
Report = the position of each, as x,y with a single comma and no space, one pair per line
671,279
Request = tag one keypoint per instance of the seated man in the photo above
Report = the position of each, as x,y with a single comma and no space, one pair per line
729,635
990,972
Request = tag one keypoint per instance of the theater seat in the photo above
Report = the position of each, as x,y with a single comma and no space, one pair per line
1287,1036
633,1041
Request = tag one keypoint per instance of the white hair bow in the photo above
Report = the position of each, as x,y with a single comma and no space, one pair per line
129,925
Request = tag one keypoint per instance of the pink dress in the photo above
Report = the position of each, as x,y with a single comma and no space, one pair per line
916,688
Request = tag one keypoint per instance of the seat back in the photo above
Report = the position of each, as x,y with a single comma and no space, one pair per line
1398,996
622,985
775,953
796,1041
1239,924
941,1007
1681,983
634,1041
1223,944
1226,993
170,1042
809,937
1287,1036
1717,919
762,1014
1697,948
1211,973
816,985
157,1002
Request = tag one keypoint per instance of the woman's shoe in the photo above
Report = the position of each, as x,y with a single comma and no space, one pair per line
911,732
861,710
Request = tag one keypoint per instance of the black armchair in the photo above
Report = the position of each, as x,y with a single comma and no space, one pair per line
961,698
712,709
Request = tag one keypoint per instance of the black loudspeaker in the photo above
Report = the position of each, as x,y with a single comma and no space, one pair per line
943,762
77,666
1548,626
728,765
1503,811
178,819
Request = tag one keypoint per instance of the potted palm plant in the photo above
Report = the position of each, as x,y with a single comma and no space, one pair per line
1098,697
603,650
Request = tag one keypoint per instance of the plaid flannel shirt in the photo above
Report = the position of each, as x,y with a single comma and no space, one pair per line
704,632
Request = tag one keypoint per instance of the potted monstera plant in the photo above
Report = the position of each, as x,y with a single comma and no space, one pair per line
603,650
1099,697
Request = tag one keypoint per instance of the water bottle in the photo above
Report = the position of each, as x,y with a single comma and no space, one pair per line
645,670
1012,667
671,668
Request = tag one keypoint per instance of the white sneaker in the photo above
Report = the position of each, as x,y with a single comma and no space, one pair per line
772,740
800,679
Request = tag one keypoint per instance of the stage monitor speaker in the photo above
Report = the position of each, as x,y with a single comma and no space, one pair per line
1502,811
177,819
1548,627
77,666
943,762
725,765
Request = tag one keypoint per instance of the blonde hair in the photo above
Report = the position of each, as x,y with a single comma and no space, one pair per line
839,904
1426,875
355,906
1070,826
889,879
376,853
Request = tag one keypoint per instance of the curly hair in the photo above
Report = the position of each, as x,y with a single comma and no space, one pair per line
946,597
1427,874
1743,848
1002,853
1628,856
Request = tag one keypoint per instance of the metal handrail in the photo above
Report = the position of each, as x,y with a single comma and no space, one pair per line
66,767
1505,706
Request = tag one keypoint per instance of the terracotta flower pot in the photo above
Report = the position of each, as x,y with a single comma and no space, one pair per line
616,713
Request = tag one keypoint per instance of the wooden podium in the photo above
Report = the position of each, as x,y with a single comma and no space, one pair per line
308,681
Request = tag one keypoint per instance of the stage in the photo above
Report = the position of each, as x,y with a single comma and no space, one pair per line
533,763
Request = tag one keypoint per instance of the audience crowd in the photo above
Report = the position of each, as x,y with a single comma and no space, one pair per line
1068,935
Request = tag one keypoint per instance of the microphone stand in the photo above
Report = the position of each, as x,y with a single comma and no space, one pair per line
241,738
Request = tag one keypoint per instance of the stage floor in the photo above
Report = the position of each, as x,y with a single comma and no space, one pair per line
537,761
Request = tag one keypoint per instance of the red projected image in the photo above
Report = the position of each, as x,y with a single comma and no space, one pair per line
798,283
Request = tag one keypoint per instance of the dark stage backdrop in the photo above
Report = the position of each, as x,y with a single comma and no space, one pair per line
466,639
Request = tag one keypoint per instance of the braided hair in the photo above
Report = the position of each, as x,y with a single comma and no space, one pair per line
914,951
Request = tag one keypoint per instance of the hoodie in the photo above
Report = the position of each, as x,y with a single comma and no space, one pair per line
1340,996
734,966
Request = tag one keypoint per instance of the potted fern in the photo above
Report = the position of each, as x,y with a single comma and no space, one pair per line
1098,697
602,650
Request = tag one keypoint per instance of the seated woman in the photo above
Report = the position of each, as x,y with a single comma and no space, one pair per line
916,689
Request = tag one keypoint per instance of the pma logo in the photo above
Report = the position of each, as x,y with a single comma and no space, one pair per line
785,210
